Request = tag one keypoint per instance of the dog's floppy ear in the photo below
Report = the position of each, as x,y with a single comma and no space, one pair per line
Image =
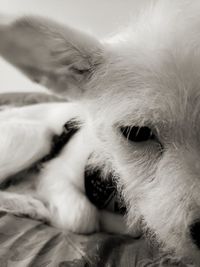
59,57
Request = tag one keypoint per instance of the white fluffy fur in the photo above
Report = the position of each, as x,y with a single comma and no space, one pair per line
58,194
147,76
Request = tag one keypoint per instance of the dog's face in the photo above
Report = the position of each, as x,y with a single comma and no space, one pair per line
152,134
151,131
144,99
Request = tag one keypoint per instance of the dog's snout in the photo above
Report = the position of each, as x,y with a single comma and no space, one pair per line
195,233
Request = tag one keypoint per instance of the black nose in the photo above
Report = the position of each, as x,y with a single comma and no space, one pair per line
195,233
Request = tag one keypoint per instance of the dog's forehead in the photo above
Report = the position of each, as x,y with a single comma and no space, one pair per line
148,87
154,70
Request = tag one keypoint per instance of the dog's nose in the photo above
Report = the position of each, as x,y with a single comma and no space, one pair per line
195,233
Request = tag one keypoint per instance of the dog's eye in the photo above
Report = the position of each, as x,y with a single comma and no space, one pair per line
137,134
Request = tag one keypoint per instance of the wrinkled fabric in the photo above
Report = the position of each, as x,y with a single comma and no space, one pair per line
25,242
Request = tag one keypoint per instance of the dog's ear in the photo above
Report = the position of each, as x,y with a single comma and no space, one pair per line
56,56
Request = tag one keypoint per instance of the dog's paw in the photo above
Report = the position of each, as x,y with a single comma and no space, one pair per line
36,210
24,205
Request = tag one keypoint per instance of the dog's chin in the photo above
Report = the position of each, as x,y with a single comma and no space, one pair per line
184,258
164,254
183,255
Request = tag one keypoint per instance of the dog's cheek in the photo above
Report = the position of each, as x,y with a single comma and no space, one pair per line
166,221
168,209
134,163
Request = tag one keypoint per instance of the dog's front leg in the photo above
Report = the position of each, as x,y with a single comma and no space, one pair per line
22,142
26,134
61,184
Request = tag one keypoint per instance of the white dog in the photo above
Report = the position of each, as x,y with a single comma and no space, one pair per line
142,93
53,145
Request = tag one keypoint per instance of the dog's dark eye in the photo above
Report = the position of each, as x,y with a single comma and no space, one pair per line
137,134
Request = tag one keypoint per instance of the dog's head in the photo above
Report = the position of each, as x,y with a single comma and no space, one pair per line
143,93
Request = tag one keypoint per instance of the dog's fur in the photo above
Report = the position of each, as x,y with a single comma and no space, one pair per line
148,75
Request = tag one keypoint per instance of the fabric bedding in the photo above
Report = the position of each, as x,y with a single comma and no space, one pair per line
25,242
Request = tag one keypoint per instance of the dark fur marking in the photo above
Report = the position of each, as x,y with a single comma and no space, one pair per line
58,143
